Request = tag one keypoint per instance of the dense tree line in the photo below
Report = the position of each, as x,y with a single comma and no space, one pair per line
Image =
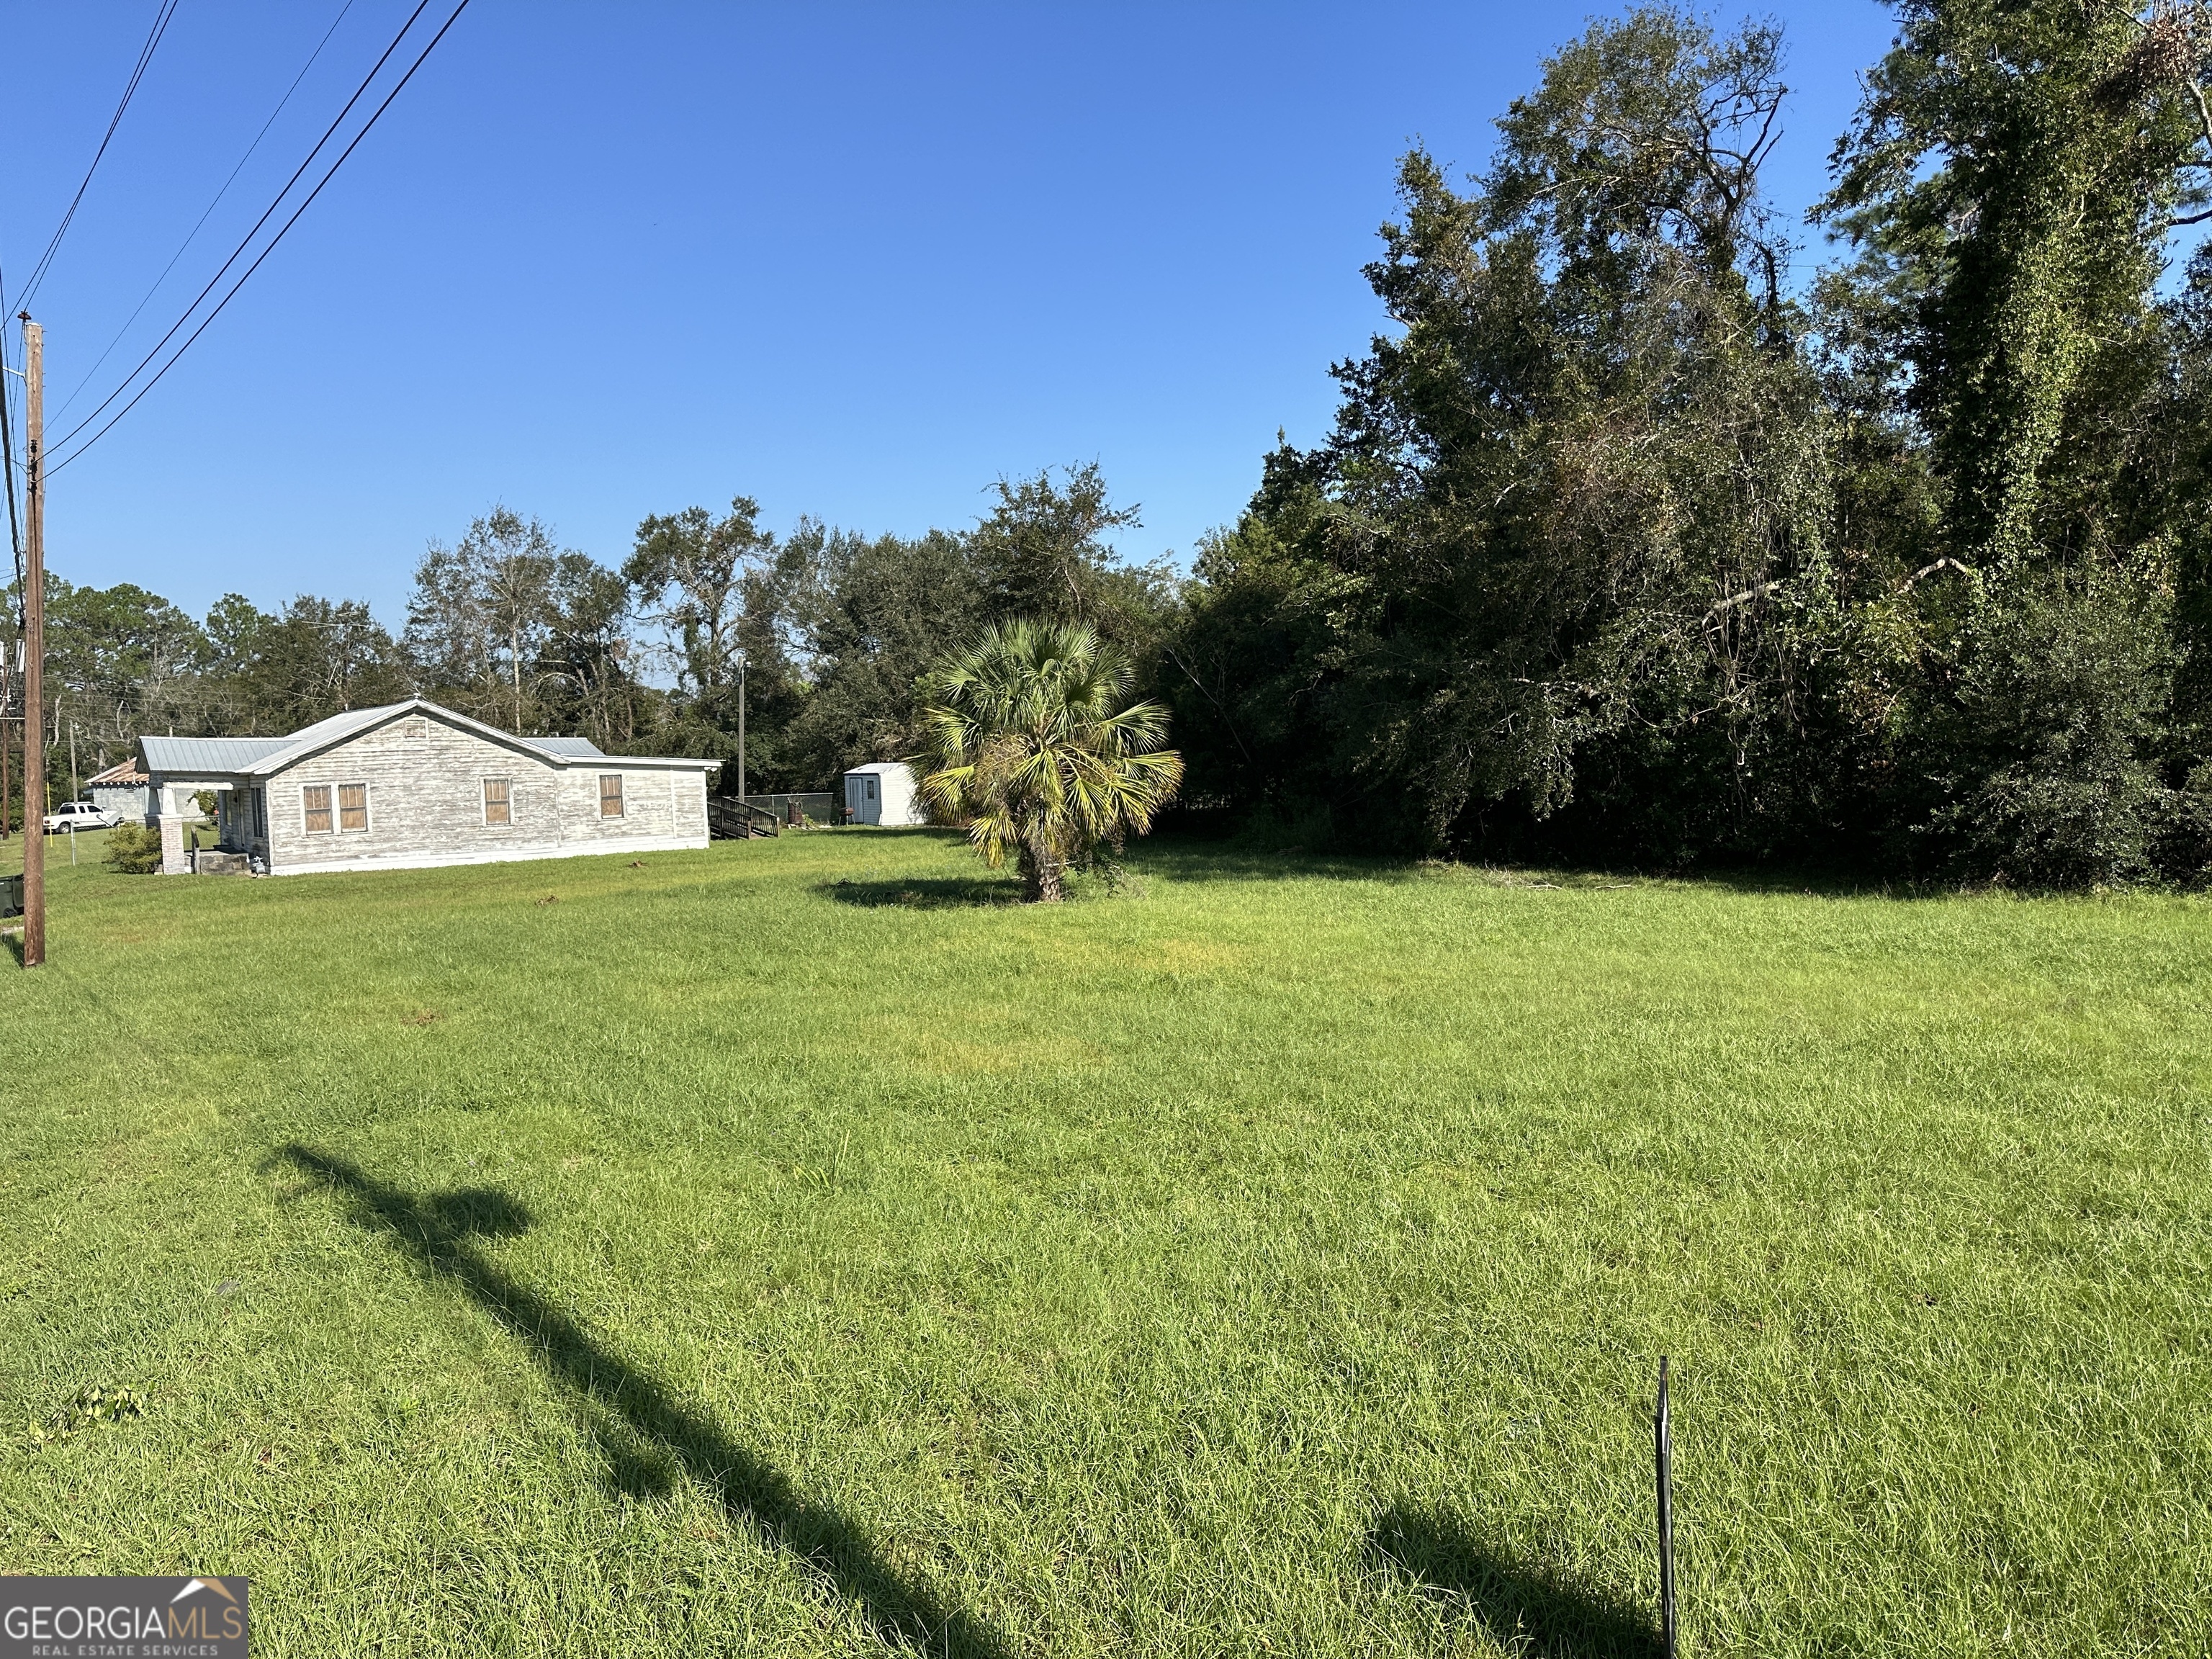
1628,544
827,633
1621,550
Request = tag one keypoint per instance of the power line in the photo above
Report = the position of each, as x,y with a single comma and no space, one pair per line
8,452
8,460
194,232
138,73
267,213
265,251
7,474
161,18
454,18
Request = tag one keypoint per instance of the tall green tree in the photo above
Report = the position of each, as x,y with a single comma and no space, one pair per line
720,591
691,571
1554,566
120,661
2010,186
874,614
482,615
587,667
317,657
2010,180
1045,551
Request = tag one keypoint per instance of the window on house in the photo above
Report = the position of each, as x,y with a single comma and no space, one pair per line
316,799
610,805
353,806
499,806
413,728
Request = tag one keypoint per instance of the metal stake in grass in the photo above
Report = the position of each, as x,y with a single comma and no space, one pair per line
1663,1437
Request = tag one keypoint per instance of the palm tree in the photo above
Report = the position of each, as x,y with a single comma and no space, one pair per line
1030,747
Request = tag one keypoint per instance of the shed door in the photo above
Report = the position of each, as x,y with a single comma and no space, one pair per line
861,799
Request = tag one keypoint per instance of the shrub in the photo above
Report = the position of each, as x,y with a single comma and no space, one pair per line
2048,755
135,848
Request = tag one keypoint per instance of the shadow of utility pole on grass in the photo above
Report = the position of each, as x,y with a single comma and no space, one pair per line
439,1232
1530,1608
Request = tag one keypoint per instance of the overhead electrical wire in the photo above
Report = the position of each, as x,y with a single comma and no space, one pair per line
8,445
247,240
8,463
8,471
190,235
8,460
217,312
137,74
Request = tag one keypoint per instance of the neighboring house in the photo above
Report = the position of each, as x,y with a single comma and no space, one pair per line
411,785
121,789
883,792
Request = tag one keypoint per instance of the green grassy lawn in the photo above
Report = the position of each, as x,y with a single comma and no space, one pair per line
791,1249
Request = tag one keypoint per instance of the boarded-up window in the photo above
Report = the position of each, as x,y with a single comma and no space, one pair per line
610,795
498,805
316,799
413,728
353,806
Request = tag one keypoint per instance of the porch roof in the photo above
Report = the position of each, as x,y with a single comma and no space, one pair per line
206,757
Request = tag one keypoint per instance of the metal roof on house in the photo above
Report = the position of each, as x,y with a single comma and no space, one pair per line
210,755
325,733
574,748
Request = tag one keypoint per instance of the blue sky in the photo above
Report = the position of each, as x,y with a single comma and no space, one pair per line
600,261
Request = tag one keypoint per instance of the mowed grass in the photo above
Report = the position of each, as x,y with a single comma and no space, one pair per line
791,1249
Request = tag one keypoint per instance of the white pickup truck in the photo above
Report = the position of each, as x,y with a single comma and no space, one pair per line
72,816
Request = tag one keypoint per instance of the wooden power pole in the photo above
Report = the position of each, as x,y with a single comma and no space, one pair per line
34,643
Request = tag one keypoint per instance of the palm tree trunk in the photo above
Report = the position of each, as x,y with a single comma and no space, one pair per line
1041,876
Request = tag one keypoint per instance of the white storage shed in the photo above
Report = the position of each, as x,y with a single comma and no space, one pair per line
883,792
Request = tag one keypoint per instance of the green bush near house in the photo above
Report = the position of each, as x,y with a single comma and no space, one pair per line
135,848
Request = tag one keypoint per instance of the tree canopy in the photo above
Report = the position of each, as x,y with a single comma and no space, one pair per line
1622,549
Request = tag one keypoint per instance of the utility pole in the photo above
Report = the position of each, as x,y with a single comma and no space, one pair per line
1663,1429
35,641
741,727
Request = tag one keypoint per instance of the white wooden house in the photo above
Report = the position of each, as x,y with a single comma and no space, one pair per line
411,784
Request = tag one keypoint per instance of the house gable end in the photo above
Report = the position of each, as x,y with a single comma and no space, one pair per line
322,738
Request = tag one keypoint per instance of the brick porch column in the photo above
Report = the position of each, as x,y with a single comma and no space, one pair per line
178,807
